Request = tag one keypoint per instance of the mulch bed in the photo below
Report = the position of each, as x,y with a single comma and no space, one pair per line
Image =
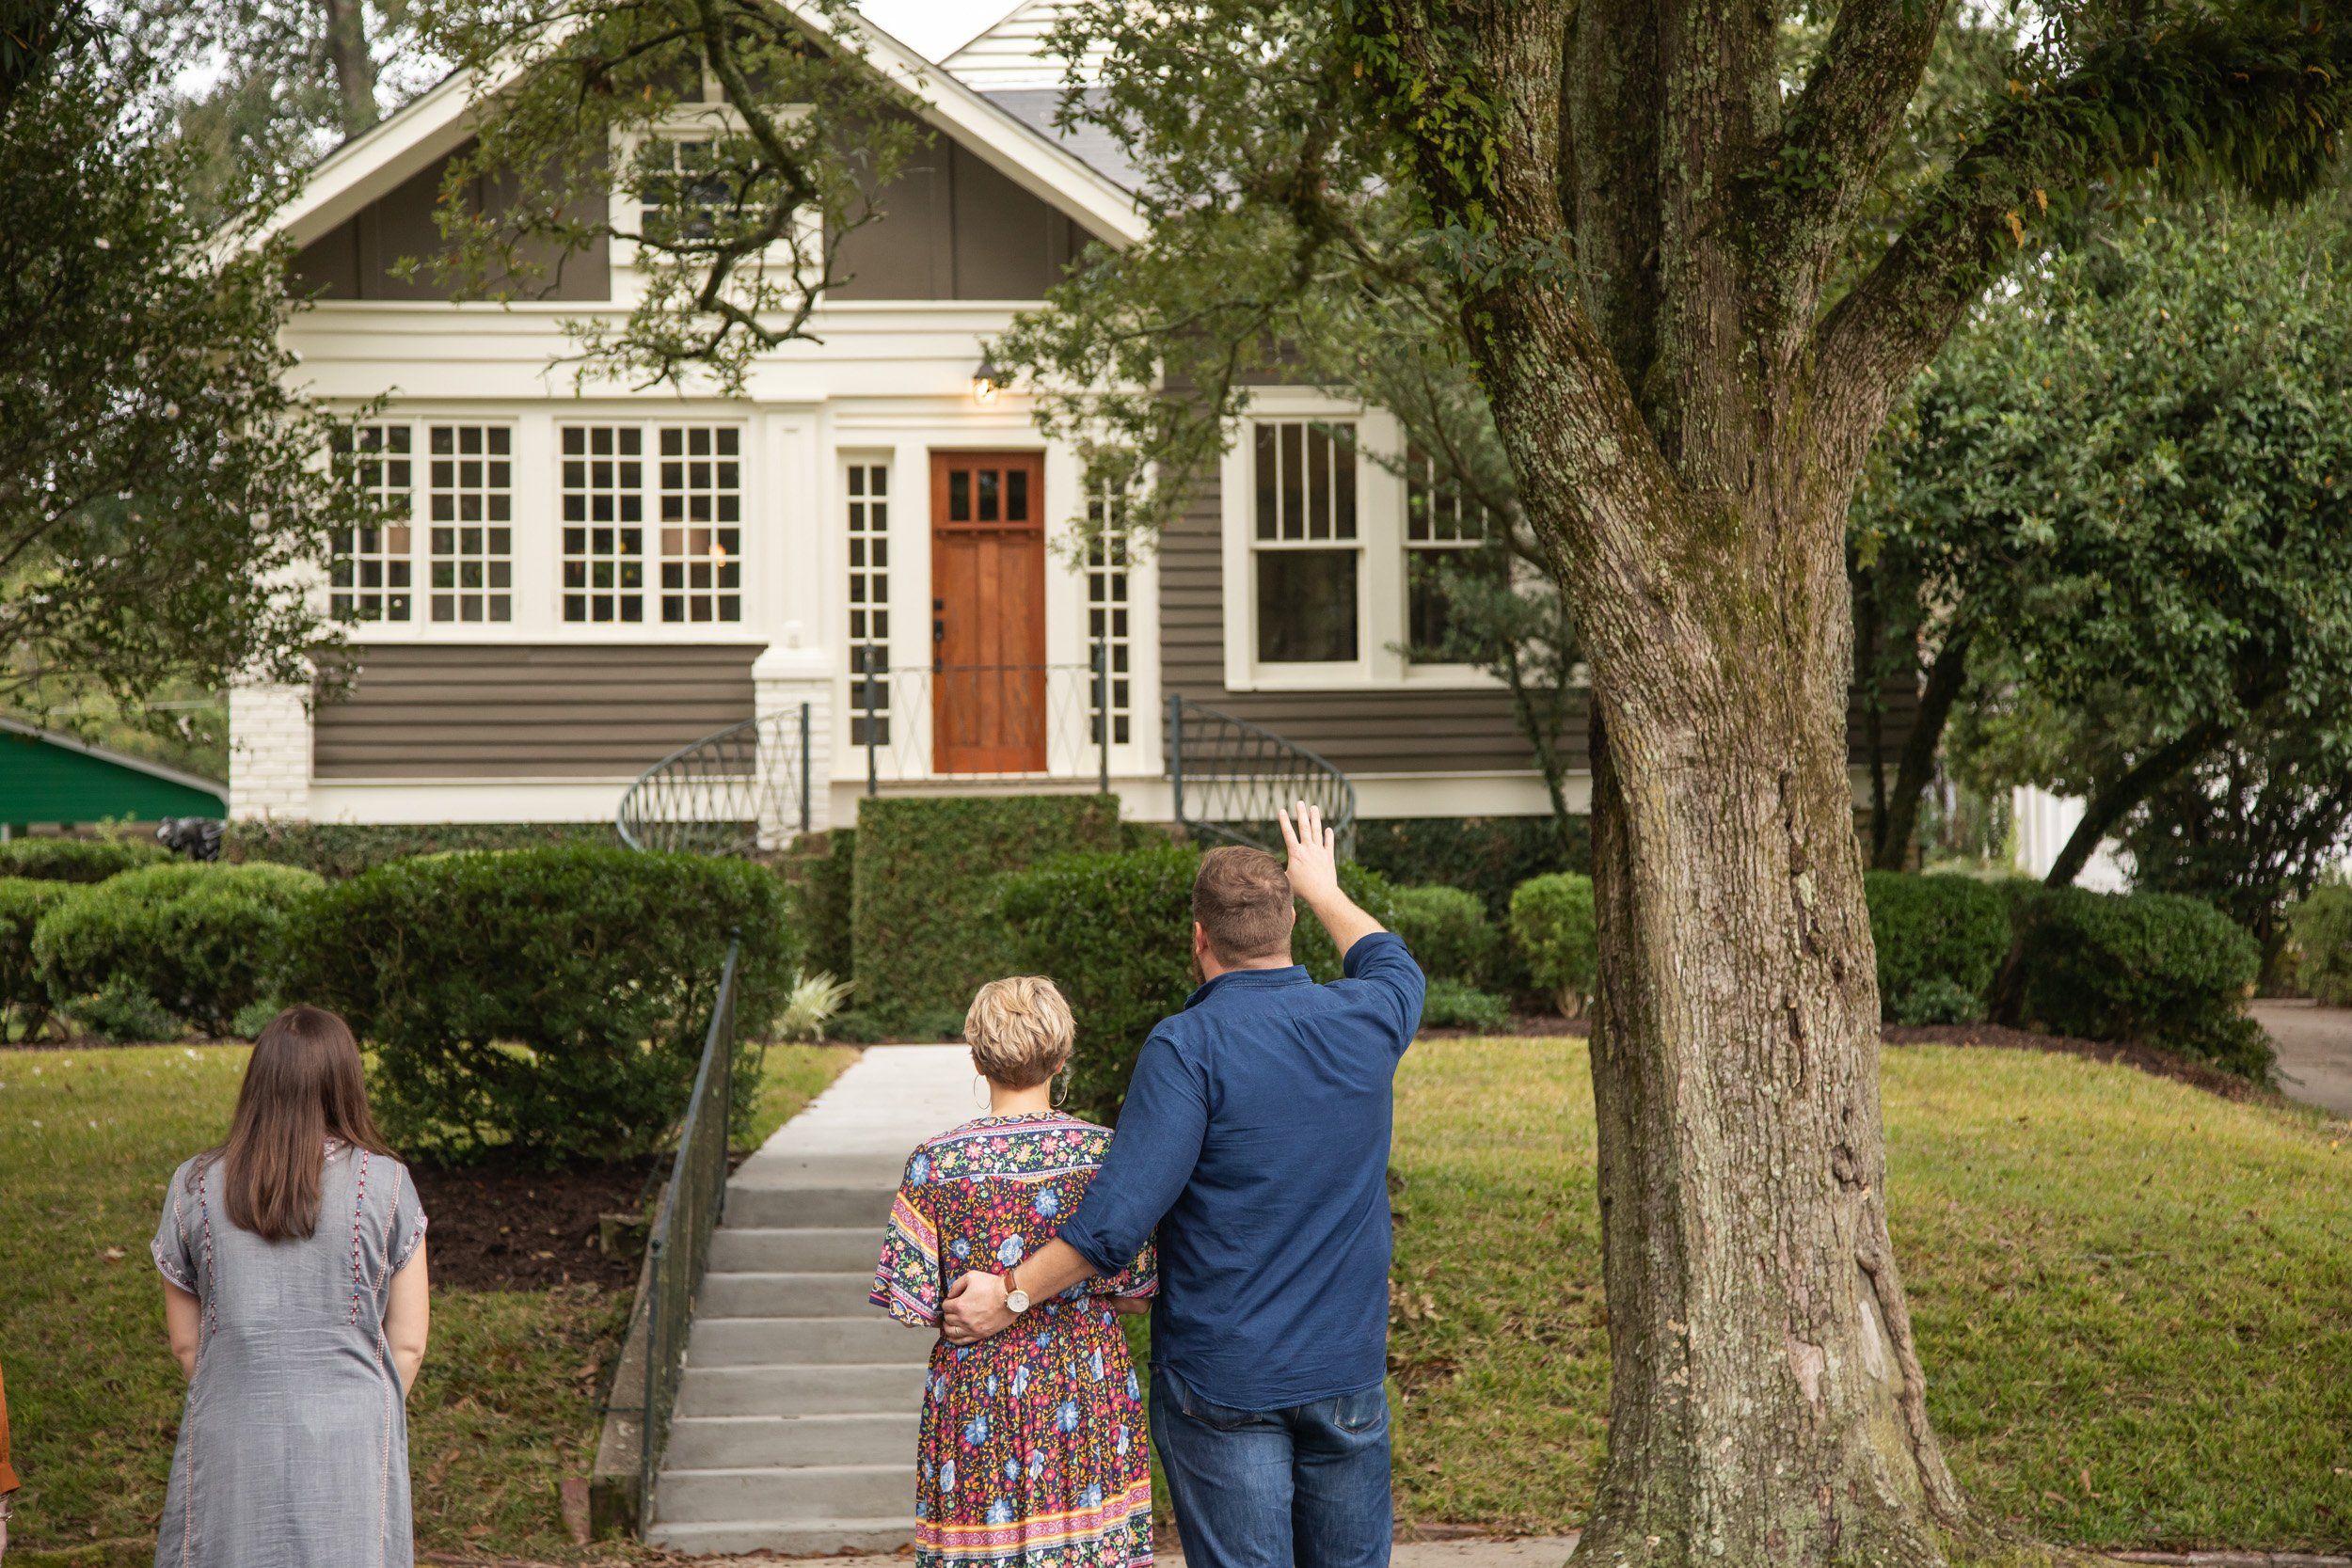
510,1227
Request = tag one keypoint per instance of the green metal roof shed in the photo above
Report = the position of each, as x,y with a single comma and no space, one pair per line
55,778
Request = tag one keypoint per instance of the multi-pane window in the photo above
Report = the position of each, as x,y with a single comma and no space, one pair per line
701,474
370,572
869,492
469,504
603,483
1107,566
1304,531
1446,534
683,193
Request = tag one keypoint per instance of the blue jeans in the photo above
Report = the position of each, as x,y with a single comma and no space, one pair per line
1306,1486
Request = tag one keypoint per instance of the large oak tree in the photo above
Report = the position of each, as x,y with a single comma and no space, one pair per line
1652,251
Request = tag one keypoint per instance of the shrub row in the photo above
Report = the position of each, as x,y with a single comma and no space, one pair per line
1114,932
339,849
76,859
2321,928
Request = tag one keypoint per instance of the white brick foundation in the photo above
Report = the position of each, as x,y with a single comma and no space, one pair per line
269,753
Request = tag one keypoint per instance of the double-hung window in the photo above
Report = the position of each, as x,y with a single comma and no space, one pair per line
1447,535
652,523
1308,563
447,494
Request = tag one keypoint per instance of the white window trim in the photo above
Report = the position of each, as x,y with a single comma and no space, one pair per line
1382,585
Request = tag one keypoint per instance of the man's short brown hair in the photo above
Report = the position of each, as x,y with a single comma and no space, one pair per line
1242,899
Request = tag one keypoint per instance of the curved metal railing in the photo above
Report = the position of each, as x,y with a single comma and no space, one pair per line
1229,777
741,791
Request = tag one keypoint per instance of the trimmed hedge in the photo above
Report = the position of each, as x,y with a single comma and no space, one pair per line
1449,933
547,1002
822,871
1940,941
2322,926
339,849
77,860
924,932
2158,968
1114,931
24,1004
1451,1005
1552,926
201,941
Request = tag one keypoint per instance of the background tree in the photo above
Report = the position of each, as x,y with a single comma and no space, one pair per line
161,490
2120,506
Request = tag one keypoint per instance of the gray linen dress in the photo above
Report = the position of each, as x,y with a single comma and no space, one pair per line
294,1445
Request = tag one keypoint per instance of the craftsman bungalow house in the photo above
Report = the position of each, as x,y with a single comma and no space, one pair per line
594,581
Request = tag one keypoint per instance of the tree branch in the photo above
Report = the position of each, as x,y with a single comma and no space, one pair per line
1946,677
2219,98
2112,804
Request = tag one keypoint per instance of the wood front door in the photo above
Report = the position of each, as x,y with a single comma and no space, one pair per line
988,613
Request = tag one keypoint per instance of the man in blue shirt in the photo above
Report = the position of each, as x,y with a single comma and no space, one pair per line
1255,1141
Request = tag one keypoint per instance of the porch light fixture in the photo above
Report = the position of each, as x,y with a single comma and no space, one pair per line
986,381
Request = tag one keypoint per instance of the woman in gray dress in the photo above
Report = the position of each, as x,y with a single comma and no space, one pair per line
294,1291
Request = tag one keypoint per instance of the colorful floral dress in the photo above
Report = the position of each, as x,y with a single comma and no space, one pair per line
1032,1449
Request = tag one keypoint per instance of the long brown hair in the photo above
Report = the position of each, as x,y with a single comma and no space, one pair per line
303,1086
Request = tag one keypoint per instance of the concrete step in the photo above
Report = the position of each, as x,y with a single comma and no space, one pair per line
849,1388
809,1207
752,1249
798,1494
775,1341
721,1442
787,1538
783,1295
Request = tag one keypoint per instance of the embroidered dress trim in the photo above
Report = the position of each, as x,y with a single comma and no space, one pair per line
1035,1534
359,1212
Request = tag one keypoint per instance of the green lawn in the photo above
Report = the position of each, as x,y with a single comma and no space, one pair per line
506,1404
2132,1298
2135,1300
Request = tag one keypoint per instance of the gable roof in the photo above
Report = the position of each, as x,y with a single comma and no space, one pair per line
441,120
1011,51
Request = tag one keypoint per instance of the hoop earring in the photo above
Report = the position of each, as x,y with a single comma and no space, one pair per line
1062,1080
979,1091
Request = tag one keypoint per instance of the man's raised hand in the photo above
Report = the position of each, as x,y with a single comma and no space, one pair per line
1313,854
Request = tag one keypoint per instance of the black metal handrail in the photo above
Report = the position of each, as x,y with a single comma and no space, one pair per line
1230,778
679,1251
735,792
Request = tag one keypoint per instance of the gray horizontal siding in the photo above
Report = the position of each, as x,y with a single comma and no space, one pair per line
488,711
1369,732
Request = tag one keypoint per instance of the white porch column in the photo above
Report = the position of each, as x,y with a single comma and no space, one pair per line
783,678
269,753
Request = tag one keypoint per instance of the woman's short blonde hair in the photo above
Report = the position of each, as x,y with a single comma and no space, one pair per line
1019,1030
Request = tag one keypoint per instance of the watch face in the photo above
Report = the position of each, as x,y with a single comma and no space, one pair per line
1018,1301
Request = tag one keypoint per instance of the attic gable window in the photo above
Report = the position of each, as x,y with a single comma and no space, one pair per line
684,195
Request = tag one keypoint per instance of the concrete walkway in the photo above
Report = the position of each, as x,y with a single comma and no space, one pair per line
796,1420
2314,1051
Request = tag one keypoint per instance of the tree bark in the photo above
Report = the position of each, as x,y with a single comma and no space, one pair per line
1946,675
353,66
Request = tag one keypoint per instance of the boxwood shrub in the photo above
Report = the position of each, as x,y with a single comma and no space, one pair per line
2158,968
924,934
24,1004
821,870
547,1002
200,941
1114,931
1940,941
76,859
339,849
1486,857
1448,931
1552,926
2322,926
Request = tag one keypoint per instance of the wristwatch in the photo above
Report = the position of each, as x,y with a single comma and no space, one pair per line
1016,1299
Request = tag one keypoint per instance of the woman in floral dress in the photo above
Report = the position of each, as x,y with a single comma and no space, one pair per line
1032,1452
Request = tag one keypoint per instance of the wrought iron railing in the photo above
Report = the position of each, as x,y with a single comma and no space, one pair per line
1231,777
679,1249
990,720
744,789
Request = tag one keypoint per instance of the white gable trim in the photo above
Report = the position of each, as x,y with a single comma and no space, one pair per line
437,123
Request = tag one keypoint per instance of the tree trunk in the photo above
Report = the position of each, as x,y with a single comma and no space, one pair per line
353,66
1766,1398
2113,803
1946,677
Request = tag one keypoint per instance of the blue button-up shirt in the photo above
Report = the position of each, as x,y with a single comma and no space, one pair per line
1255,1138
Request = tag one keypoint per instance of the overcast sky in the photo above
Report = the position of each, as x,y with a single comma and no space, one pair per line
934,26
